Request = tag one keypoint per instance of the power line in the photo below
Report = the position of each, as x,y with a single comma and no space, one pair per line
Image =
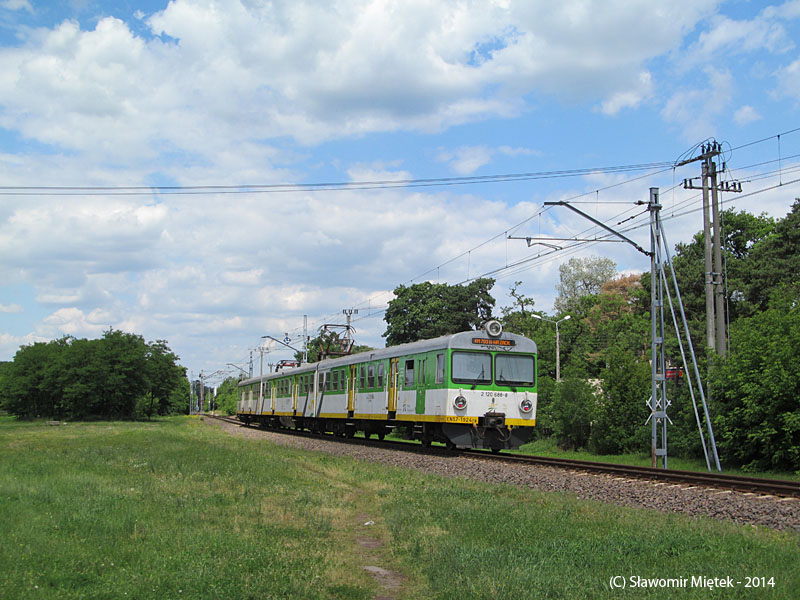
271,188
522,265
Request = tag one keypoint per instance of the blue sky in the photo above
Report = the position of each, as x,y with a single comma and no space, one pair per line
199,93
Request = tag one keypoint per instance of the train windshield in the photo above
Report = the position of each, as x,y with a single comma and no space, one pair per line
472,367
515,369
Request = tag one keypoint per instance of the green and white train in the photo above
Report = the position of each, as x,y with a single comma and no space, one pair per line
475,389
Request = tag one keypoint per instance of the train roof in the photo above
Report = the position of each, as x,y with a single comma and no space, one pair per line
465,340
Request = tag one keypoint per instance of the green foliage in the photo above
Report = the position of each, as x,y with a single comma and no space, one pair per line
756,390
227,394
572,411
742,240
117,376
622,406
775,260
754,393
428,310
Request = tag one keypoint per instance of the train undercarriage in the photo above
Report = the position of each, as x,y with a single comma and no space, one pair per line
491,431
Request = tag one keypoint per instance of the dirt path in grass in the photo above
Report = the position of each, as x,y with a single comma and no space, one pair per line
364,530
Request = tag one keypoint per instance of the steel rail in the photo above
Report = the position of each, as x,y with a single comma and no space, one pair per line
738,483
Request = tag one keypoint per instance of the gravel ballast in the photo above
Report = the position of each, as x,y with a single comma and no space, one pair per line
743,508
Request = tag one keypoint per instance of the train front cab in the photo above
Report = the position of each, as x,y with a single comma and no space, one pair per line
473,392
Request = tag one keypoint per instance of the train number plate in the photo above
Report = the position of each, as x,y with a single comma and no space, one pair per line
470,420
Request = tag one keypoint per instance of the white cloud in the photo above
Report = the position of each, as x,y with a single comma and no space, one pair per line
17,5
694,110
728,35
315,72
73,321
630,98
789,80
11,308
746,114
468,159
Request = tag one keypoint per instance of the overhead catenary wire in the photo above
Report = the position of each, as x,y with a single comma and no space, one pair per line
269,188
523,265
571,249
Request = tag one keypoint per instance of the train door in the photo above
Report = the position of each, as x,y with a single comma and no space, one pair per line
393,373
351,389
421,386
295,386
273,393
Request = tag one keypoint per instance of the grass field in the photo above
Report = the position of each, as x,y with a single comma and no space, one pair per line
178,509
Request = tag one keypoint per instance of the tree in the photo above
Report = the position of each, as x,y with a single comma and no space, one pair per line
756,388
582,277
227,395
572,411
428,310
621,408
775,259
112,377
743,235
163,376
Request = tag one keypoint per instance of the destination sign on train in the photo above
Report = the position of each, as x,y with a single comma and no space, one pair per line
492,342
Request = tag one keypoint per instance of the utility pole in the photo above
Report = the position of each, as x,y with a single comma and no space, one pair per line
719,290
659,257
305,339
716,337
658,381
558,342
349,312
708,270
202,392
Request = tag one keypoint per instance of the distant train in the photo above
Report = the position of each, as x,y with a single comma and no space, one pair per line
475,389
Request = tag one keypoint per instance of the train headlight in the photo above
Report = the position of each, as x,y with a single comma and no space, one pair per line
460,402
494,328
526,405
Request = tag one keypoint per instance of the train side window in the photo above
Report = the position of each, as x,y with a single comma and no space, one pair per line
335,382
371,376
380,375
362,378
409,377
422,371
439,368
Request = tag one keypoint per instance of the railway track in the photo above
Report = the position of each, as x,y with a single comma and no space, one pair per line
754,485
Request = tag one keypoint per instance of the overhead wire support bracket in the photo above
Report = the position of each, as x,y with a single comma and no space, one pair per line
709,150
599,224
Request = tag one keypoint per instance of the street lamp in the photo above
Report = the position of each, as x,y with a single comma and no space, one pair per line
558,342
